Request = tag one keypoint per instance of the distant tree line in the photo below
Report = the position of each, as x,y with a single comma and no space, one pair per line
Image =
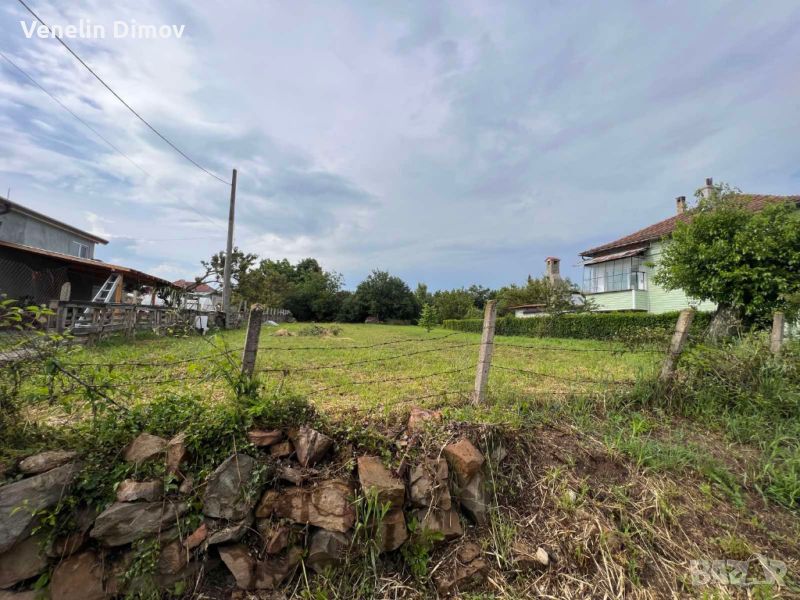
314,294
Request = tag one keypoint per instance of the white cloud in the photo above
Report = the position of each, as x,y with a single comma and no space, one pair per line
458,142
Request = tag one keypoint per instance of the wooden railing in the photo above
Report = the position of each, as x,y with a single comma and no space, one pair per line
95,318
279,315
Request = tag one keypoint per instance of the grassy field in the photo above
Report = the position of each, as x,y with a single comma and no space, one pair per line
624,482
369,369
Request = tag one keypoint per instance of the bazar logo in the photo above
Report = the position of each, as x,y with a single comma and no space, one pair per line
738,572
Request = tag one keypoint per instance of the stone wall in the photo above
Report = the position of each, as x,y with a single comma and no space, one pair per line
258,532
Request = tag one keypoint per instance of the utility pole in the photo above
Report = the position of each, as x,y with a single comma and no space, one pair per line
226,286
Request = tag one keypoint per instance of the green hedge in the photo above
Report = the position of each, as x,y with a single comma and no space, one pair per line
628,326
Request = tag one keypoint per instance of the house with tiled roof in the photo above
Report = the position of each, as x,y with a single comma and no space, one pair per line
618,275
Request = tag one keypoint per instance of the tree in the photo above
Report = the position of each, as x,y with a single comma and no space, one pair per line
745,261
306,289
423,296
428,318
453,304
215,268
386,297
480,295
556,296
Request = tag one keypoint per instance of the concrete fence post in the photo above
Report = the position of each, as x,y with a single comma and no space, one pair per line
485,353
676,345
250,353
776,337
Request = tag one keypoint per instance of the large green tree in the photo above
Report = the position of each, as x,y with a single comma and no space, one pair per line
745,261
454,304
306,289
387,297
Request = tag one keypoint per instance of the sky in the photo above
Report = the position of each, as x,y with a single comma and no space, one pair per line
449,143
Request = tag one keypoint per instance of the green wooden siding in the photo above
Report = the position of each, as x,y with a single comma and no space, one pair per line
655,299
613,300
661,300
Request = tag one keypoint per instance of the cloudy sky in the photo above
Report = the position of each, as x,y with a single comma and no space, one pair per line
448,142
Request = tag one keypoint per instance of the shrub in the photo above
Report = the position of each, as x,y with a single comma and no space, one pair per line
750,394
429,317
630,326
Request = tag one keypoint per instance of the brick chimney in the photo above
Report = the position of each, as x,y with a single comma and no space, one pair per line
552,270
708,188
680,204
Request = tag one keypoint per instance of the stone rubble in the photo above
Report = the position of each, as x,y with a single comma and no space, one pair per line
321,509
177,453
309,445
23,561
131,491
327,505
35,493
225,496
126,522
376,478
45,461
143,448
464,460
429,484
327,548
263,439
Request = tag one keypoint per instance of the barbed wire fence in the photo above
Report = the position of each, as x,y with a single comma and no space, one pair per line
119,382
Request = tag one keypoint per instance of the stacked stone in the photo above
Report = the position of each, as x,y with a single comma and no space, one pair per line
304,507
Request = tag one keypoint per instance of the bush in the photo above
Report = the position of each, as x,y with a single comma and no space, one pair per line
628,326
752,395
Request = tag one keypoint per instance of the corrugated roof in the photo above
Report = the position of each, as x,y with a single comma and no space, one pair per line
55,222
663,228
90,264
616,255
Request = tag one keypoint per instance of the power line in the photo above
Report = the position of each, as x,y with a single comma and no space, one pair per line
118,97
99,135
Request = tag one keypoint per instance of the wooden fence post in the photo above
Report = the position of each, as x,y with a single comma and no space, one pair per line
485,354
251,343
676,345
776,337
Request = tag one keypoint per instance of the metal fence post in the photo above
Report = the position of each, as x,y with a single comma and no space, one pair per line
676,345
251,343
776,337
485,354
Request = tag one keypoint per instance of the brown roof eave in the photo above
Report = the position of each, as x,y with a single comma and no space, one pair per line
87,265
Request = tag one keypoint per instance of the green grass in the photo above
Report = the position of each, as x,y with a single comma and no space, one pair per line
372,387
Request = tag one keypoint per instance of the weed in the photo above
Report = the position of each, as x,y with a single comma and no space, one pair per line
416,552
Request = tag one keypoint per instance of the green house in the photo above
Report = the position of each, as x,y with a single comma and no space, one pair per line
619,275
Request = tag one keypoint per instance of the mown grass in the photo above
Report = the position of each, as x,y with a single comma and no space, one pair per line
399,367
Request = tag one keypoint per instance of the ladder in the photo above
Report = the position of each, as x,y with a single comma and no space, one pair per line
104,295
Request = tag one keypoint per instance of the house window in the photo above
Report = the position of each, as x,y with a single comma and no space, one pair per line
80,250
615,276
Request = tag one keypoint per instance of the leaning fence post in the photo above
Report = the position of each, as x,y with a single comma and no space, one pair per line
485,354
776,338
676,345
251,343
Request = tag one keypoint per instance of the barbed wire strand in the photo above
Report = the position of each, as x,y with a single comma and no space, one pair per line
562,378
391,380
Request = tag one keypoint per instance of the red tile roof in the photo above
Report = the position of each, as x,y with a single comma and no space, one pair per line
663,228
203,288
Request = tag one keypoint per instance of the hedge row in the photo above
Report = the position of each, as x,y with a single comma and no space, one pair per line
628,326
